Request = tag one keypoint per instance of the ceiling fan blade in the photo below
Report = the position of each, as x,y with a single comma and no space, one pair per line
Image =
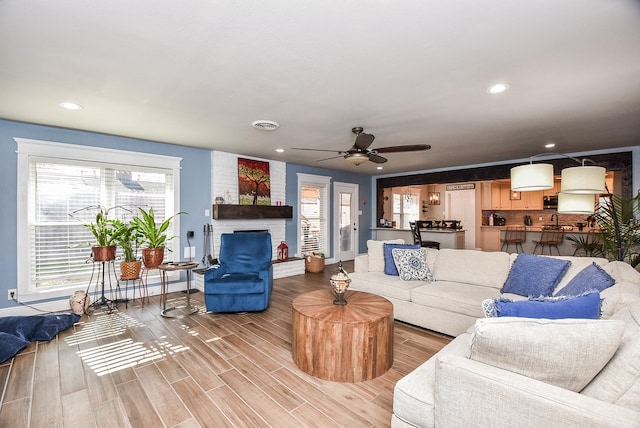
332,157
399,149
376,159
363,141
317,150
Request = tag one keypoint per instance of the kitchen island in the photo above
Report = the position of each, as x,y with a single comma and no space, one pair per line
448,238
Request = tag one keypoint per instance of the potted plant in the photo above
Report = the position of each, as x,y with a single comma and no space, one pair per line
153,236
106,233
129,240
619,229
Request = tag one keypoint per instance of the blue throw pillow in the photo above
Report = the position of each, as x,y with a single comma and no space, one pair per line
534,276
389,264
591,278
586,307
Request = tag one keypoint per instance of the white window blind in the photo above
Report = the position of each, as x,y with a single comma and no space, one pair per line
313,196
62,194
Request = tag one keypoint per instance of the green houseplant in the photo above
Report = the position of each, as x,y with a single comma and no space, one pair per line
129,240
619,229
153,236
106,232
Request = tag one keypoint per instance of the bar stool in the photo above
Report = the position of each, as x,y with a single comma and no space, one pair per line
514,235
417,237
549,238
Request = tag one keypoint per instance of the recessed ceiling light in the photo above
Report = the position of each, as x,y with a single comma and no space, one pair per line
280,150
498,88
265,125
379,167
550,145
69,105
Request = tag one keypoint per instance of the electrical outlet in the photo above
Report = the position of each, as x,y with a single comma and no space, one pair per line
11,294
189,234
189,252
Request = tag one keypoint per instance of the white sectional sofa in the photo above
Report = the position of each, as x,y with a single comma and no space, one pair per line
464,385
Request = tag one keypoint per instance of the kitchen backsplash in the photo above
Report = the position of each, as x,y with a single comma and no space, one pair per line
516,218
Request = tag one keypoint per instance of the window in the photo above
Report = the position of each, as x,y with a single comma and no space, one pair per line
60,188
313,223
406,207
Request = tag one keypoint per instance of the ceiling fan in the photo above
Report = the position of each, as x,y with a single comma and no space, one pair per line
360,152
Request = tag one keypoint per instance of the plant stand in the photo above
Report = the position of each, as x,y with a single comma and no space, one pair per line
102,272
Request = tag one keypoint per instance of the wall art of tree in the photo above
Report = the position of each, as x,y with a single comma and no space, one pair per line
254,183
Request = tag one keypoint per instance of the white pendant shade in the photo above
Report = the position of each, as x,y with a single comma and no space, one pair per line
583,180
569,203
531,177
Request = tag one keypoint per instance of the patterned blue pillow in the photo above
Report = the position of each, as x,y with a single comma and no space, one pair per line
412,264
586,307
591,278
534,276
389,264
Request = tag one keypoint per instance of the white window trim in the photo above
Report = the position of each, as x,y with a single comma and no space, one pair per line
50,149
317,180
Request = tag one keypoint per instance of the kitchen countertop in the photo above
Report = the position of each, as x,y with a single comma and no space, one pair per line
422,230
539,229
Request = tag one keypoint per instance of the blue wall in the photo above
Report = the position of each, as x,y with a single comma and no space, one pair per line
195,188
364,203
195,184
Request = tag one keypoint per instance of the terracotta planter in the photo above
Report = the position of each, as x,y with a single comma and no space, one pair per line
130,270
103,254
152,257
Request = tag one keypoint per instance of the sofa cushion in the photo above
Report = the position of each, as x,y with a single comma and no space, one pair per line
586,306
383,285
454,297
591,278
577,264
619,380
566,353
375,250
390,264
413,394
488,269
535,276
412,264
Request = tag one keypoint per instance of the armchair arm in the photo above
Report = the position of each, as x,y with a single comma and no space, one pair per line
215,272
470,393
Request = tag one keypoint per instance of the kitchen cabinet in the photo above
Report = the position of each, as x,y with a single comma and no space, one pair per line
500,196
490,236
486,195
528,201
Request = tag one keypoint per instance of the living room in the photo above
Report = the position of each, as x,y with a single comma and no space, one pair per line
352,68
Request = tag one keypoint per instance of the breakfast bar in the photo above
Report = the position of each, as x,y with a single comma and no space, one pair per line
448,238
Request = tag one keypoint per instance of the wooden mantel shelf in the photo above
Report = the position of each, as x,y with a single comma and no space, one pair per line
232,212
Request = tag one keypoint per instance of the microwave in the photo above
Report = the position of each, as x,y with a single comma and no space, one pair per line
550,201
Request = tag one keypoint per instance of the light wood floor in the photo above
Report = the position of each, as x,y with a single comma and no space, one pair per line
133,368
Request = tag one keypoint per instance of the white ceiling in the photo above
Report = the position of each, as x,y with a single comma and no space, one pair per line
197,73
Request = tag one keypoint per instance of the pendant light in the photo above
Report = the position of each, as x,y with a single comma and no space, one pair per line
583,180
532,177
571,203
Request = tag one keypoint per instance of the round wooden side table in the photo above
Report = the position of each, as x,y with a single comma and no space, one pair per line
342,343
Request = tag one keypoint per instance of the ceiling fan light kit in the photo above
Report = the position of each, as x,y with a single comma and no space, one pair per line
356,158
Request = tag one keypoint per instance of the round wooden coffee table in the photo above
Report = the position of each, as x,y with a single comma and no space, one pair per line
342,343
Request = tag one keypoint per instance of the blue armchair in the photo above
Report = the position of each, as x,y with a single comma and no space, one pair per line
243,279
